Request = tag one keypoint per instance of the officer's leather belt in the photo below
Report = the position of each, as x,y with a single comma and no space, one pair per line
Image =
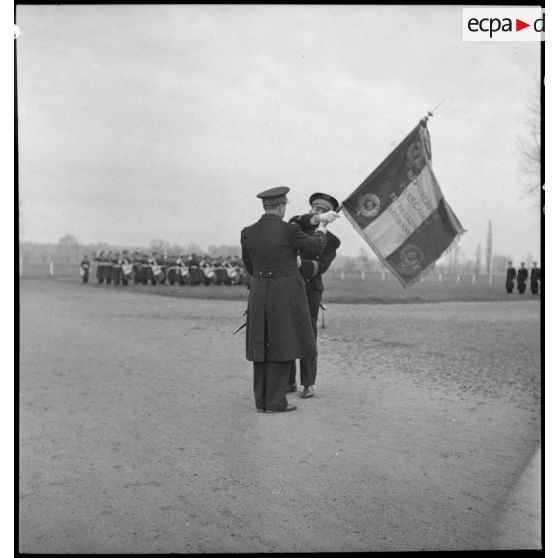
268,273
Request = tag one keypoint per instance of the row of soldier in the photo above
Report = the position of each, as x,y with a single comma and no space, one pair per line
522,275
141,268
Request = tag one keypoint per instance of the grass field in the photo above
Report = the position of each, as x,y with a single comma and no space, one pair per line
374,288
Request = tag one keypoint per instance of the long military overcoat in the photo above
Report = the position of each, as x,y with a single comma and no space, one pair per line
278,320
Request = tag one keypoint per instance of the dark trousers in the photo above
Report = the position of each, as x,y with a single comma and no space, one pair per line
309,366
116,274
521,287
534,287
270,384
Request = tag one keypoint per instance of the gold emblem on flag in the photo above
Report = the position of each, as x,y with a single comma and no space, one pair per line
412,256
369,205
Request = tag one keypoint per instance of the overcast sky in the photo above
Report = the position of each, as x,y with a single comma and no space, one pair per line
164,121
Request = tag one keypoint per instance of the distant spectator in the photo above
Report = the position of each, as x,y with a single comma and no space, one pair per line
510,277
522,275
535,278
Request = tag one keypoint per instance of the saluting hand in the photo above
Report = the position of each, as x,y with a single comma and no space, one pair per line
328,217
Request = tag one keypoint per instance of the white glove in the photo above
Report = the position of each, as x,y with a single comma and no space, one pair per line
322,227
298,261
328,217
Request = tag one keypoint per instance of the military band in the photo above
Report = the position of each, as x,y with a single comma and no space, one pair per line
186,269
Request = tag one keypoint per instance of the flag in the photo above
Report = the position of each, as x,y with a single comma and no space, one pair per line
400,211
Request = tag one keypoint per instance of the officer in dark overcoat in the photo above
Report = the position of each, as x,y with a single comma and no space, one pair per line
534,278
510,277
522,276
323,208
279,327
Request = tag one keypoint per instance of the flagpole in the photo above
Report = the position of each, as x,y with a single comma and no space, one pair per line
430,113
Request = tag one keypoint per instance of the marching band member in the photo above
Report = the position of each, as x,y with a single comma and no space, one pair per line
127,268
172,269
155,272
116,271
84,268
107,268
145,269
196,274
183,269
99,272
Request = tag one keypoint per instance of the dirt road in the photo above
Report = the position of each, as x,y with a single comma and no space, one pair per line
138,432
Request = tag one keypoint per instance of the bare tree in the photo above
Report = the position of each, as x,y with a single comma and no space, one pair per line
530,154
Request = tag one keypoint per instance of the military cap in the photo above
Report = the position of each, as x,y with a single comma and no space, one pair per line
274,196
325,201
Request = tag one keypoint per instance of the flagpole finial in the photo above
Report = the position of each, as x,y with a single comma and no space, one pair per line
430,113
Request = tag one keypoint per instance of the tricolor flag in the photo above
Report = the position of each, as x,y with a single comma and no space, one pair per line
400,211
